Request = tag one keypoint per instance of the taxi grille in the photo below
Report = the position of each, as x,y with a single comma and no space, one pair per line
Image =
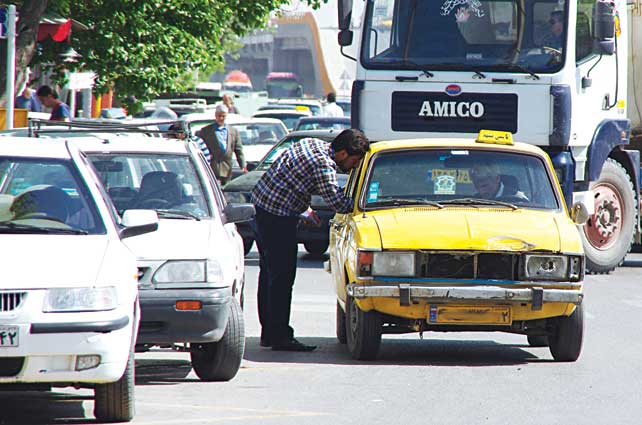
10,301
495,266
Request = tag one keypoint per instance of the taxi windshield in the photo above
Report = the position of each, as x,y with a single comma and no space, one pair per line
164,182
45,196
496,35
458,177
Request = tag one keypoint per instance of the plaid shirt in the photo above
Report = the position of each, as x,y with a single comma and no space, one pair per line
306,169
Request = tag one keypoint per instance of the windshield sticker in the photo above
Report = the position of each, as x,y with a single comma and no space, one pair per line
445,185
464,12
373,192
458,175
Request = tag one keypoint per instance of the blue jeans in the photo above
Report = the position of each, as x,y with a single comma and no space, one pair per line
277,244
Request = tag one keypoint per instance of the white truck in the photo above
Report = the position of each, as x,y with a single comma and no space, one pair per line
553,73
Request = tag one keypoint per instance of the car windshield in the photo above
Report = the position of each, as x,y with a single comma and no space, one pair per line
289,120
322,125
260,133
45,195
164,182
459,177
277,150
501,35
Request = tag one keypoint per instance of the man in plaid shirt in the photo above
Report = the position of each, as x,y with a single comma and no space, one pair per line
281,196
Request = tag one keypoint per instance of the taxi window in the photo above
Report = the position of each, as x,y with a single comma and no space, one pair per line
447,175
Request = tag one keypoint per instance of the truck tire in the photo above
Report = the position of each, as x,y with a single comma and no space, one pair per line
341,325
221,360
566,342
114,402
363,331
608,234
316,247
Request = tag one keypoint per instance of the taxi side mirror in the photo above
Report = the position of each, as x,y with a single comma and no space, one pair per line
579,213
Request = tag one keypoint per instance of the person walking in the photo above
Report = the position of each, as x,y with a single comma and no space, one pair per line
176,131
227,101
331,109
280,197
223,141
49,98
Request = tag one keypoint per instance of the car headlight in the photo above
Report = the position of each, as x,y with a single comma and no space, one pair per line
185,271
553,267
80,299
235,197
386,263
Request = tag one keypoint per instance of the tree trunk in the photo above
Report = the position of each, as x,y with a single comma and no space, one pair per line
27,31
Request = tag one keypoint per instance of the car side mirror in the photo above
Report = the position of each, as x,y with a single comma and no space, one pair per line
138,222
579,213
604,28
236,213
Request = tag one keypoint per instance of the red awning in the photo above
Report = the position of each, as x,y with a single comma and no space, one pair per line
57,32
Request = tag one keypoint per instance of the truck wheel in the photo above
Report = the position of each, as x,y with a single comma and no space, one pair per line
221,360
608,234
341,325
114,402
247,245
316,247
566,342
538,340
363,331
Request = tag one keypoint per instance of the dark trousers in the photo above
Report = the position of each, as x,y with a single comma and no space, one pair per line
277,244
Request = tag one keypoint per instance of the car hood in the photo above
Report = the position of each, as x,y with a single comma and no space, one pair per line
468,229
244,182
174,239
255,153
51,261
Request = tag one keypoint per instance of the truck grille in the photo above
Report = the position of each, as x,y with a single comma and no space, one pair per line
10,301
495,266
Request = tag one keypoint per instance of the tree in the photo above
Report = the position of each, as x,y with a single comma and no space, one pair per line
146,47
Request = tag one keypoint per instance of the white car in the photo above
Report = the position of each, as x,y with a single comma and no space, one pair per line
191,271
290,117
258,136
69,307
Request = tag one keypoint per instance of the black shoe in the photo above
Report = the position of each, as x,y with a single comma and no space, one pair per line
265,342
292,345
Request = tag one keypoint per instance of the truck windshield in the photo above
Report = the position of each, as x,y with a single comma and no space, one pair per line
495,35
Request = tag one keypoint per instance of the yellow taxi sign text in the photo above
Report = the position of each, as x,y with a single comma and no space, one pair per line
494,136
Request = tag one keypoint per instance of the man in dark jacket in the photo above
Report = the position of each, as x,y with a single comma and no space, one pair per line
223,141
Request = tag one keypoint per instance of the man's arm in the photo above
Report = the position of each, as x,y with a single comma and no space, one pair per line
326,177
238,150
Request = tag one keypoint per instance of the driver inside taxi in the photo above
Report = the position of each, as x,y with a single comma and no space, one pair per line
489,185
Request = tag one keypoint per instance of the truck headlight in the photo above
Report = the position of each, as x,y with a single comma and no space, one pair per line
189,271
59,300
545,267
393,264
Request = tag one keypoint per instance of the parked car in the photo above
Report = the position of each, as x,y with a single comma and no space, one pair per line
289,117
69,307
458,235
314,105
191,271
322,123
258,136
238,190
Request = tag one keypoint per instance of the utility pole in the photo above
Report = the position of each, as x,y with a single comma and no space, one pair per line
11,63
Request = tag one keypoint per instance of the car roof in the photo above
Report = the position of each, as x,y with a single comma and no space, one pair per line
325,119
295,100
283,112
318,134
209,116
456,143
259,120
33,147
132,144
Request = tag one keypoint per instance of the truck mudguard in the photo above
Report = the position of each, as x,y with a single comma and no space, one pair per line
608,134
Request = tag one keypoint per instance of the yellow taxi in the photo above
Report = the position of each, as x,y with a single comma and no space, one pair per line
458,235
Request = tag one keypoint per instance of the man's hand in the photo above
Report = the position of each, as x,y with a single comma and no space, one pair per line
311,218
244,170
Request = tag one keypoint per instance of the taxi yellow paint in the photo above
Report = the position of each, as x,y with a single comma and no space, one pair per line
533,308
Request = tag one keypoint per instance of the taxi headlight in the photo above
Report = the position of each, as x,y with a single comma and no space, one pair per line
393,264
59,300
185,271
546,267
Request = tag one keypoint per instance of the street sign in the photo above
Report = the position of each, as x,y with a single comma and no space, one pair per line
3,23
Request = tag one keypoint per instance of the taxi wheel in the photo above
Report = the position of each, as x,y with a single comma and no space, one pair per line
538,340
566,342
341,325
114,402
363,331
221,360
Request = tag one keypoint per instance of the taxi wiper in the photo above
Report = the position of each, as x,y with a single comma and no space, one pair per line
477,201
177,214
403,201
26,228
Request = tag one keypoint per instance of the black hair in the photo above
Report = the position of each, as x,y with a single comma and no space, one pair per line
352,141
331,97
45,91
558,14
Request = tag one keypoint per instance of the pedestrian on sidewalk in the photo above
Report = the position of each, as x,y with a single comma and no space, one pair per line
280,197
49,98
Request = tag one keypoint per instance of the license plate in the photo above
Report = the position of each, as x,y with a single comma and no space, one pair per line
8,336
469,315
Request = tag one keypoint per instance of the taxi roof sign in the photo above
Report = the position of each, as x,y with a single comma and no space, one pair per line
495,137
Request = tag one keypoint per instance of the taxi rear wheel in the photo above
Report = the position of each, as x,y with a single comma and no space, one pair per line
341,325
363,331
566,341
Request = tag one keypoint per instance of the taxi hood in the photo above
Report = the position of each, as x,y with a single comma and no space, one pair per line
468,229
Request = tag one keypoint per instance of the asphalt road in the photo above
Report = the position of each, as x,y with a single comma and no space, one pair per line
447,378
